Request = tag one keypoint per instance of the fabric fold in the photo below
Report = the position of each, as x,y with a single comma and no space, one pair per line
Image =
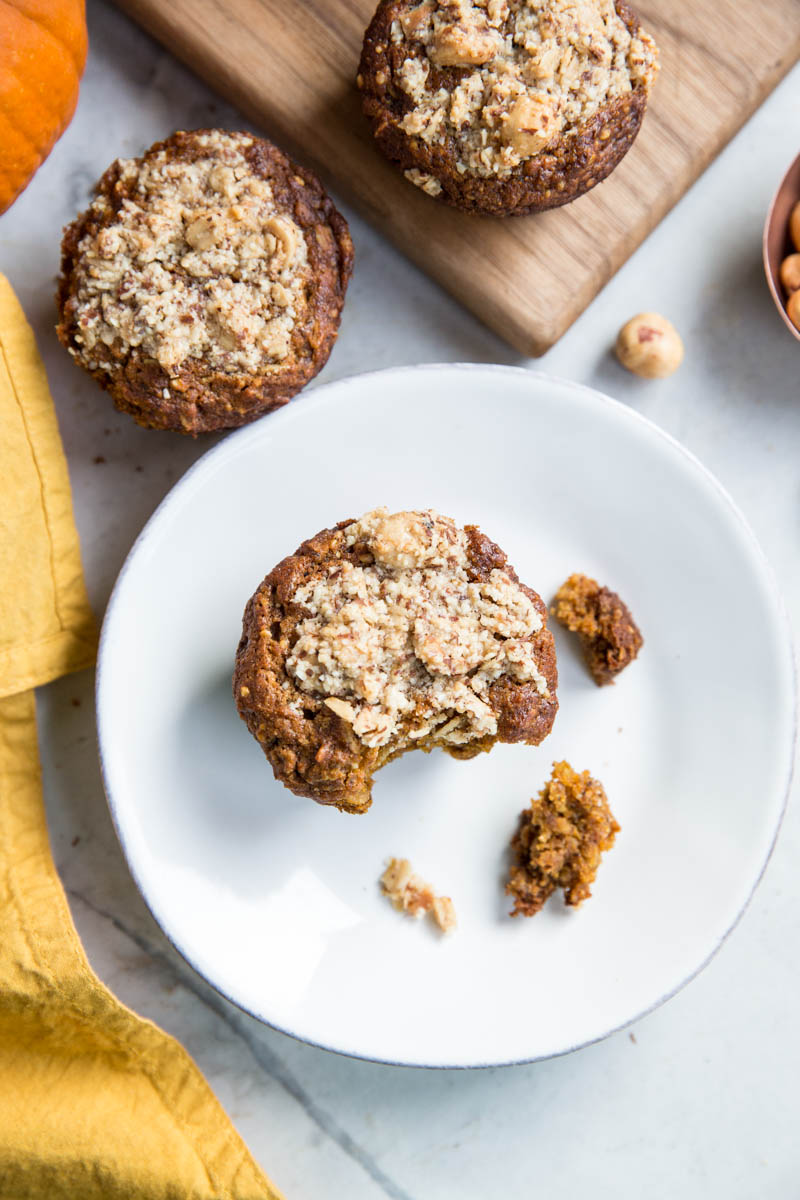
46,625
94,1100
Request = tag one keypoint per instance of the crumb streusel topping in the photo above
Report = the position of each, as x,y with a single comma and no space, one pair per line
197,264
533,70
407,641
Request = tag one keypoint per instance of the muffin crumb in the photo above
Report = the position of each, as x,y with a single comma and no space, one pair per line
609,636
444,913
411,895
560,840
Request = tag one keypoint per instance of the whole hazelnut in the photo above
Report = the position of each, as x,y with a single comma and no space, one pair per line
650,346
794,225
793,309
790,272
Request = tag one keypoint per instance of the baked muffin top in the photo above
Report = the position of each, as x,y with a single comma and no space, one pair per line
609,636
204,284
529,72
198,262
560,841
409,638
394,632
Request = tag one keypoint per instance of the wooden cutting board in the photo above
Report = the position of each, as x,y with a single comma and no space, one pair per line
290,68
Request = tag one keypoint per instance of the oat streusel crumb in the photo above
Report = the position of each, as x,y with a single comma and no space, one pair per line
413,896
560,841
198,264
408,641
533,70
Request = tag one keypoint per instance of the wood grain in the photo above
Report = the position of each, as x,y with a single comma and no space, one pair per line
290,68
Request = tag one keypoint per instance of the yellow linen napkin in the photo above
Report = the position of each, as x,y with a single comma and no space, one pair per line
94,1101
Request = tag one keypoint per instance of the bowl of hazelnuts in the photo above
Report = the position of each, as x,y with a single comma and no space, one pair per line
782,248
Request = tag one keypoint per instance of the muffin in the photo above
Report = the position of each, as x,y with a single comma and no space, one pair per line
609,636
204,284
391,633
560,840
506,106
410,894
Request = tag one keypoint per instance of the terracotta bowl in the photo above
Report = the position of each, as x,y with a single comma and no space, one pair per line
776,238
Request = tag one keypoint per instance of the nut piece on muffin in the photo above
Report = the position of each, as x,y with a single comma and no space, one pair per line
560,840
609,636
391,633
204,284
506,106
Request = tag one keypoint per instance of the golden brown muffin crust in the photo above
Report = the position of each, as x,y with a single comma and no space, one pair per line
204,296
441,111
609,636
326,718
560,840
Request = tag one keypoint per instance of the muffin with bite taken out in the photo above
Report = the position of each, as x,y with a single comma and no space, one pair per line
395,632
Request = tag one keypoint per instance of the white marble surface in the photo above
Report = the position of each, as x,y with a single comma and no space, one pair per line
699,1099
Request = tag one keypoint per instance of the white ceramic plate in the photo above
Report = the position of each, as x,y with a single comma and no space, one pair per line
275,900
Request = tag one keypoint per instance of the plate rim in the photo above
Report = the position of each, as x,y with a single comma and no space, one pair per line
320,393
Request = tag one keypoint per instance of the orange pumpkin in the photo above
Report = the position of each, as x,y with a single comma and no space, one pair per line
42,55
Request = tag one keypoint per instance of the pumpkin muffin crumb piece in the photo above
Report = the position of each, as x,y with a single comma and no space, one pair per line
560,841
609,636
410,894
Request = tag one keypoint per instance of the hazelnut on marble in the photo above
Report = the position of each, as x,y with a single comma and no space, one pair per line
649,345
